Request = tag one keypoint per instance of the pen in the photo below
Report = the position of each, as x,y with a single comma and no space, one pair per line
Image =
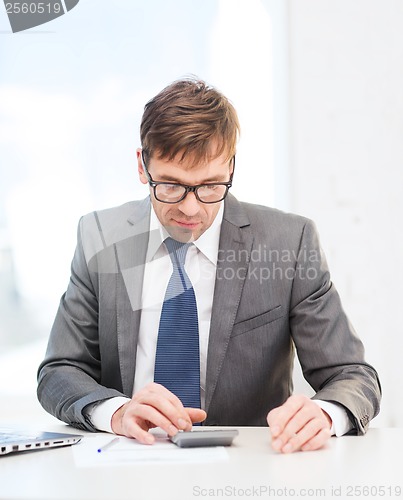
108,445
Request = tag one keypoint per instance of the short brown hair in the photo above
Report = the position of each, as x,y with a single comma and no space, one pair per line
192,119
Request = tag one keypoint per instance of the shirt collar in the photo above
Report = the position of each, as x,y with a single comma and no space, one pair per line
207,243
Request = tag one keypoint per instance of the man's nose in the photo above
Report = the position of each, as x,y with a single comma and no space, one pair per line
189,206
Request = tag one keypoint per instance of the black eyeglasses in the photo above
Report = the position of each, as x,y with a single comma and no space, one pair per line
169,192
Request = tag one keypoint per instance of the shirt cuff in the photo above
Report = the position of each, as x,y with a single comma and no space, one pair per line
100,414
340,422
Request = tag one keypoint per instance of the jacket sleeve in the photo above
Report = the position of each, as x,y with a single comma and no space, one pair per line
329,350
70,375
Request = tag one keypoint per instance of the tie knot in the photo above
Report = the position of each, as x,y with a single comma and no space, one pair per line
177,251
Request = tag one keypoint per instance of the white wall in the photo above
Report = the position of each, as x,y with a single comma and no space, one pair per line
346,116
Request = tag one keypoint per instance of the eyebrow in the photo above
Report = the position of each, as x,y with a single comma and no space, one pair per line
168,178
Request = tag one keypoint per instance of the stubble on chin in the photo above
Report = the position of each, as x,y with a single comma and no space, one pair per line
180,233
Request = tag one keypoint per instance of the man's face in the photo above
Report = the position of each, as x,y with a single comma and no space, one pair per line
186,220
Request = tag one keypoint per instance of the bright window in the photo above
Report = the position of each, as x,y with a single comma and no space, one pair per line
71,97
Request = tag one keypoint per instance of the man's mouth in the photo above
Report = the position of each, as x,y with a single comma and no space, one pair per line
187,224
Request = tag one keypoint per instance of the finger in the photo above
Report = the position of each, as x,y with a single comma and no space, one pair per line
181,419
167,406
271,422
132,429
141,418
155,388
279,417
308,432
165,409
317,441
297,423
151,415
196,415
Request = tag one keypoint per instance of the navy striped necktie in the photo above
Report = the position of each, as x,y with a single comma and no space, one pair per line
177,361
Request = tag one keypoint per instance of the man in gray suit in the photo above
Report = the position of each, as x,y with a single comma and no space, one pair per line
259,290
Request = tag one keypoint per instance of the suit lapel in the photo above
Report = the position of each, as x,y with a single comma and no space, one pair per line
130,256
232,266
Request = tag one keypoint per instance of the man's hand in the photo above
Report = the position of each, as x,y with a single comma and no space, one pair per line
154,406
299,424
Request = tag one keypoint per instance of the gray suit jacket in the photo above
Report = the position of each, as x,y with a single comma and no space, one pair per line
273,295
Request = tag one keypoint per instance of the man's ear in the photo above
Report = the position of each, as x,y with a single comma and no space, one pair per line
140,169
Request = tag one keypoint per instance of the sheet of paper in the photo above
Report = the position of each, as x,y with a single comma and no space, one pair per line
129,451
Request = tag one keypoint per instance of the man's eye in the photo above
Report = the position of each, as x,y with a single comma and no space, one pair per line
210,187
172,187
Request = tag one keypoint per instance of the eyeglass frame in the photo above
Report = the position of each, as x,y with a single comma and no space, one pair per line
188,189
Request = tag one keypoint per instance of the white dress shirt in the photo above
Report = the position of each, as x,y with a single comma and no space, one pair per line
200,265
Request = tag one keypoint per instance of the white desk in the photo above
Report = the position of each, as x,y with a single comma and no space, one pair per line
254,470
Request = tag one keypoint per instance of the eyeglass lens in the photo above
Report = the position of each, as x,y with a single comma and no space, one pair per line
174,192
